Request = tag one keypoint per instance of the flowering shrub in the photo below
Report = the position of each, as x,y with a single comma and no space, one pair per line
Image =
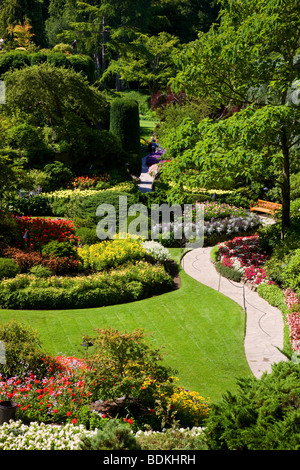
227,226
216,210
172,402
87,182
56,398
154,158
111,253
292,301
39,231
245,255
156,250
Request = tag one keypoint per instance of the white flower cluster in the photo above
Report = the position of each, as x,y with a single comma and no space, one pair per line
39,436
156,250
195,431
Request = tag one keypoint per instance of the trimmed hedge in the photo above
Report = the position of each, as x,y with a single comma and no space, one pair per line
125,123
18,59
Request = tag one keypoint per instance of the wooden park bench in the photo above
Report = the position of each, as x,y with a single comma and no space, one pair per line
265,206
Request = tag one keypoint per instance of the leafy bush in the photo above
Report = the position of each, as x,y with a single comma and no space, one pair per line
9,229
84,64
86,207
172,439
88,236
8,268
23,349
111,254
27,259
30,205
262,415
62,47
96,290
122,362
56,249
59,173
229,273
40,271
291,271
274,295
113,436
13,59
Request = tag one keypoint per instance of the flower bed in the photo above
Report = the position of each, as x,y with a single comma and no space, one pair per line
16,435
38,231
65,397
292,301
244,254
126,284
221,221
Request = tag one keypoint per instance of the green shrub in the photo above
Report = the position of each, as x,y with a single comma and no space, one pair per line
8,268
88,236
83,64
9,229
40,271
23,349
60,175
229,273
56,249
62,47
58,59
37,58
263,415
113,436
87,207
13,60
172,439
31,205
291,271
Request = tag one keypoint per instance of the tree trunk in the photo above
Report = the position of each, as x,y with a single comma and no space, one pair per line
103,61
285,190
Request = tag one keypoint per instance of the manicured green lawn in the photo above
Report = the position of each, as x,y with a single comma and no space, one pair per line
146,128
201,331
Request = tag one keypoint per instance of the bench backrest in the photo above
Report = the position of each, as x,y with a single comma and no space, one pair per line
268,204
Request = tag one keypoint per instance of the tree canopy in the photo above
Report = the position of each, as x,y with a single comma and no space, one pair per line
247,65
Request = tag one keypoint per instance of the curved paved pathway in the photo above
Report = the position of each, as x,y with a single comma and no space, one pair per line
264,323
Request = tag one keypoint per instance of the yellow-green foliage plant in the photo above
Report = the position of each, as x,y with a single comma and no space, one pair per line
111,253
